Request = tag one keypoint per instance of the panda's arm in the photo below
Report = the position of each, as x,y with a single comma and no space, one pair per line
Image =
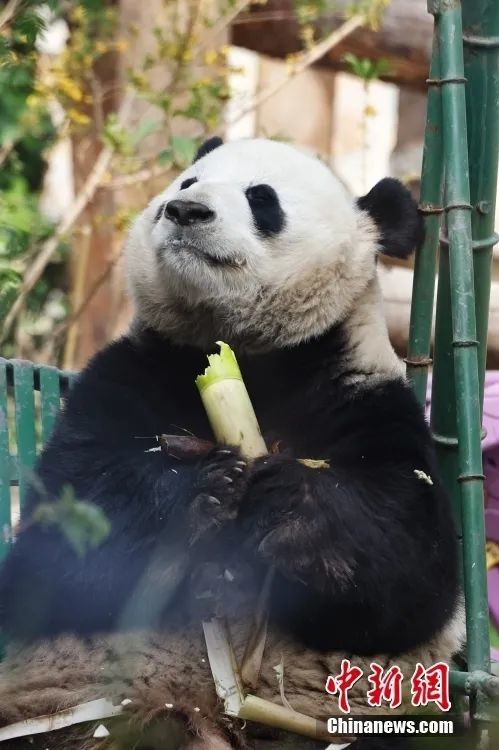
98,449
315,524
346,530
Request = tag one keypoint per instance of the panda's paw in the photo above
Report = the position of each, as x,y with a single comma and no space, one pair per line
274,516
220,487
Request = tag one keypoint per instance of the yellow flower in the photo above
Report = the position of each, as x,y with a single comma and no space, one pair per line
121,45
307,35
78,13
210,57
70,88
79,118
101,47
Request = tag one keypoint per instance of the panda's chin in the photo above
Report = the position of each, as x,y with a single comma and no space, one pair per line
187,252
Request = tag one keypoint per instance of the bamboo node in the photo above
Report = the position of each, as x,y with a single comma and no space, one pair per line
471,478
428,209
451,206
474,40
418,361
443,81
464,343
483,244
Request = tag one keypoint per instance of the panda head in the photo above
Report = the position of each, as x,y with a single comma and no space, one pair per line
262,245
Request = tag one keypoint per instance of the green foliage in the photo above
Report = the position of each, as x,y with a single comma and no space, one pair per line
21,224
10,281
83,524
367,70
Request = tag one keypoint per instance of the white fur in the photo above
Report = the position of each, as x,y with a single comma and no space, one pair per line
278,291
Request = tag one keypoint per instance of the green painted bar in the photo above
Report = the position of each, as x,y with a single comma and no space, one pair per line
423,286
25,421
50,394
5,509
469,682
448,21
481,67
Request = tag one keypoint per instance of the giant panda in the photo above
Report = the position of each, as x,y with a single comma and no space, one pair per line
261,246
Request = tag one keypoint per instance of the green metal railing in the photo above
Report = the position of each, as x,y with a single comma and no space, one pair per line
26,422
463,105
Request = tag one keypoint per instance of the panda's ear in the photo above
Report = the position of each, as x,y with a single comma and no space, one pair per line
395,213
210,145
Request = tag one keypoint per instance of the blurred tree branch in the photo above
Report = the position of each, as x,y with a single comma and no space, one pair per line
8,12
48,249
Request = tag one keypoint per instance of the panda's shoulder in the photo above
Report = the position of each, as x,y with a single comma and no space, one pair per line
134,362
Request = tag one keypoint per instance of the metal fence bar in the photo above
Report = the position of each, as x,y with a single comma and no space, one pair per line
25,422
50,398
5,508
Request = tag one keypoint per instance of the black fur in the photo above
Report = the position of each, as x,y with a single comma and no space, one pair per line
210,145
266,209
396,214
187,183
159,213
364,551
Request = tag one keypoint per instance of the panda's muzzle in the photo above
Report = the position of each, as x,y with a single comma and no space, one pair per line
187,213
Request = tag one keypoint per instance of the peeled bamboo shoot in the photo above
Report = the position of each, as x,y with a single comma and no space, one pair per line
228,404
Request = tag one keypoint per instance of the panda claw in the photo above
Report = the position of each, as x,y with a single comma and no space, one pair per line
214,500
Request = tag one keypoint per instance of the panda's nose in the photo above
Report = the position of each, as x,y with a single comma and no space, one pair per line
188,212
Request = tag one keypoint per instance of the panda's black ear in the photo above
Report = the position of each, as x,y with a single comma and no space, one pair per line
396,215
210,145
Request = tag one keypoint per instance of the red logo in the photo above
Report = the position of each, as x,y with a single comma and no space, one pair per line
341,684
387,686
431,686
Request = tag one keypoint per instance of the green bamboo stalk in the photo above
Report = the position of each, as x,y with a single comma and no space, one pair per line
464,342
423,285
481,68
443,394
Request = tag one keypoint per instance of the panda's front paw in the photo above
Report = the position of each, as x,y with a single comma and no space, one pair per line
278,517
219,490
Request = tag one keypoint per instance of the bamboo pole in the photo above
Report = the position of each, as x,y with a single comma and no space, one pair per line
481,69
468,466
423,288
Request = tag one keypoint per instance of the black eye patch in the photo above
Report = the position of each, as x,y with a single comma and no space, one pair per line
266,209
187,183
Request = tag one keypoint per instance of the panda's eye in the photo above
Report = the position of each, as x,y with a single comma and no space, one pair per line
261,193
187,183
266,209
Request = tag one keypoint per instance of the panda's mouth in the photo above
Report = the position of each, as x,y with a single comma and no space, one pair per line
183,245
